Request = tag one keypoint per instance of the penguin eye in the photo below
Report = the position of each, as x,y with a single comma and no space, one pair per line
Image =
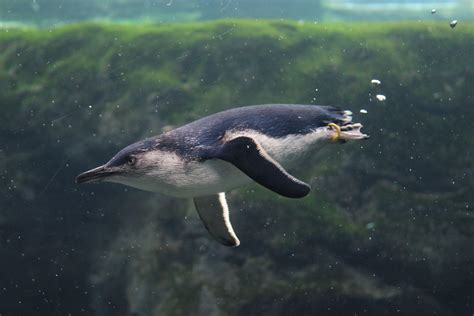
131,160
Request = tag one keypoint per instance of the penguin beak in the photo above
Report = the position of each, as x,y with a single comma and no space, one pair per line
96,174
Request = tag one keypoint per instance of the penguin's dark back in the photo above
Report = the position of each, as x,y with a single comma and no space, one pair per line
274,120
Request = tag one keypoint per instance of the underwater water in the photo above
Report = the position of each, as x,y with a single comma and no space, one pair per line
387,229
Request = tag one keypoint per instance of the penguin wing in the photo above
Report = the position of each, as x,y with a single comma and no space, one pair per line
214,212
249,156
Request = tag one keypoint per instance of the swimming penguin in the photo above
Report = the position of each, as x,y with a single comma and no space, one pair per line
223,151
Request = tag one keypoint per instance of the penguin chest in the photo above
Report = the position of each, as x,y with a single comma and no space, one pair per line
178,177
210,177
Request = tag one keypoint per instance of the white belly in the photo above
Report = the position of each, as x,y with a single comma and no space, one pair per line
176,177
203,178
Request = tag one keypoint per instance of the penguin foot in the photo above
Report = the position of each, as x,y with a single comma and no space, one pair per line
352,131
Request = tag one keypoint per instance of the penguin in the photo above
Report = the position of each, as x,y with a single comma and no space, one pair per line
215,154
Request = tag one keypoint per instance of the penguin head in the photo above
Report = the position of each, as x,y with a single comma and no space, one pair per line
129,164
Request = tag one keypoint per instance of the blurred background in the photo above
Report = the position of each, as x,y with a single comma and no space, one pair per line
388,228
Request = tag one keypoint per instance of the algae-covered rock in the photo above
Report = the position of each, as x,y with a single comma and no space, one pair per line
387,229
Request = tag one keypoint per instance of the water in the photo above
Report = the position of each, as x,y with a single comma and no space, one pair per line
386,230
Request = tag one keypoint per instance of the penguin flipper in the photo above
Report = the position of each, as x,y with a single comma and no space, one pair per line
249,156
214,213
